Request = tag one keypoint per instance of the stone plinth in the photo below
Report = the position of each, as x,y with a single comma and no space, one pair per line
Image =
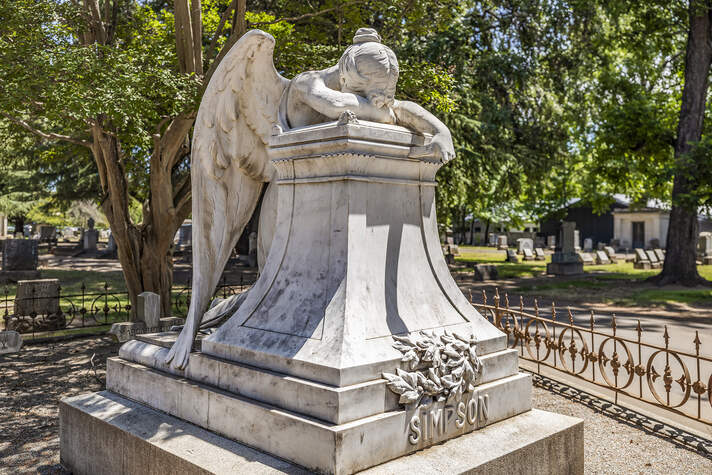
355,259
355,274
89,240
565,260
93,426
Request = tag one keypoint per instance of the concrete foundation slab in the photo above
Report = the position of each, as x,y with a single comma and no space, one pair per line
103,433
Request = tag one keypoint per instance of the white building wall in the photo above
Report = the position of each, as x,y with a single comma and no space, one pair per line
656,227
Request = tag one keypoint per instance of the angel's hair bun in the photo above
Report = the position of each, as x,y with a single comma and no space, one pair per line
364,35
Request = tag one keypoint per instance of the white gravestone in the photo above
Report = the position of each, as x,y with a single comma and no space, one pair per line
539,254
149,309
588,245
577,240
602,258
641,259
586,258
611,253
524,243
502,241
653,258
661,254
355,346
704,247
528,254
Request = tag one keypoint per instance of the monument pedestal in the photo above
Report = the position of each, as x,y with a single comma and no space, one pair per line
354,347
565,260
105,434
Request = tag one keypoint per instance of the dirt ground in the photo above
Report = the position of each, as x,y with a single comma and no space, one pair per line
34,380
31,384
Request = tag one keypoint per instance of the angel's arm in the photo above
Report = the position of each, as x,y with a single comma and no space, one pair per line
411,115
331,103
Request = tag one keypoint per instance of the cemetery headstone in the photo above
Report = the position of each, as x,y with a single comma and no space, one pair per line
704,248
551,242
48,234
185,236
512,256
602,258
641,259
655,243
10,342
565,261
36,307
39,296
111,245
588,245
502,242
148,310
653,258
525,243
661,254
90,237
19,260
611,253
252,250
528,254
68,234
586,258
577,240
492,239
485,272
539,254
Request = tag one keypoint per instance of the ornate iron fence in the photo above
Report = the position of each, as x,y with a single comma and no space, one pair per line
47,313
85,309
624,367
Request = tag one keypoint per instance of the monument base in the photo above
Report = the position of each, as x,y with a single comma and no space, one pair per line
103,433
564,268
707,261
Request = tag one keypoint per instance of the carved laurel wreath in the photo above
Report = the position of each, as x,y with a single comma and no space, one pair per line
447,366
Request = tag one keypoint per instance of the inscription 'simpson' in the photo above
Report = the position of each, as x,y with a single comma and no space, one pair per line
429,422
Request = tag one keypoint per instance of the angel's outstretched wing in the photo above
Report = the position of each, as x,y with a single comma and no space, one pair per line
229,165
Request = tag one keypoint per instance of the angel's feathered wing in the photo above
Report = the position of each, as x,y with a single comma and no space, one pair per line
229,165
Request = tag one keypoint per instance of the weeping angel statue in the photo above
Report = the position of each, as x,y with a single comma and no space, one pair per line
244,99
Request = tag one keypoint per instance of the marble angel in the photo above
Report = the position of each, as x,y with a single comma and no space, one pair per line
245,99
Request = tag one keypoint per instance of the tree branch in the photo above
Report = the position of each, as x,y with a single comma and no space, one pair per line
47,135
223,18
308,15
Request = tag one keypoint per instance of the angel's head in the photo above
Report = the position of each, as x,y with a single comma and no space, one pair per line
369,69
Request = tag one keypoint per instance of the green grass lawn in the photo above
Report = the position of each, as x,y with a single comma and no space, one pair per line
620,277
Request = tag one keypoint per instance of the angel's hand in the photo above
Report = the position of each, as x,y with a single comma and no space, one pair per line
442,146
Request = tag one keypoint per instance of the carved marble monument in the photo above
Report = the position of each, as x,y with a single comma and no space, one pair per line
355,346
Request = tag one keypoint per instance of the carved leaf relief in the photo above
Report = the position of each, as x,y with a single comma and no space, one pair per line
442,367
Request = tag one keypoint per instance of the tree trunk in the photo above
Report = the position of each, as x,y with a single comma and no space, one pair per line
680,261
145,250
